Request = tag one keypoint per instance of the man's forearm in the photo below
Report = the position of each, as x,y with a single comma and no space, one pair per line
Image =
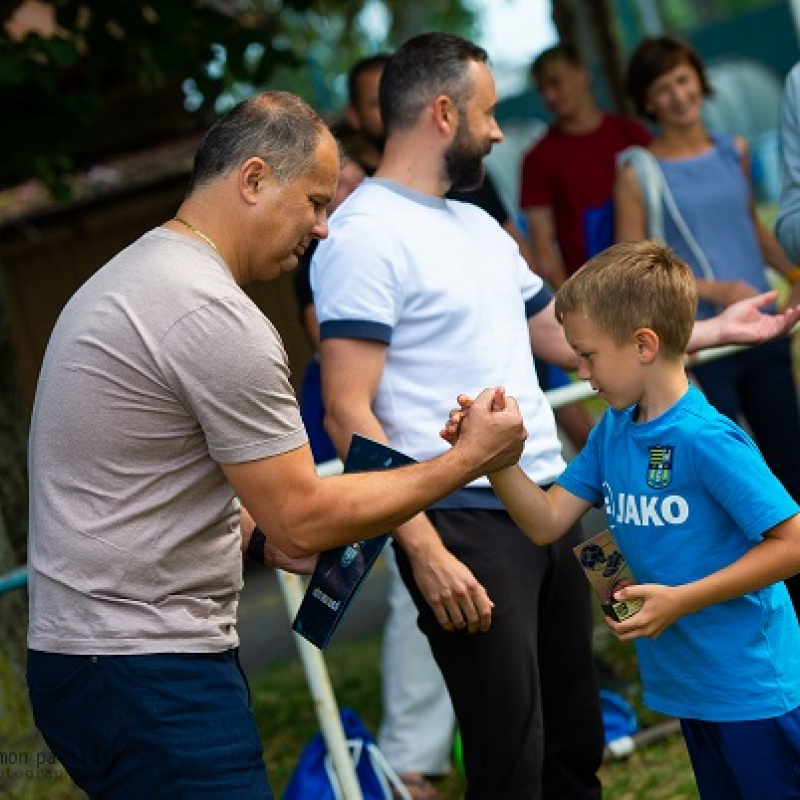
412,535
341,422
744,322
417,536
347,508
705,333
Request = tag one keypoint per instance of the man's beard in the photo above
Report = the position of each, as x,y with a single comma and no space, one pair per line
463,162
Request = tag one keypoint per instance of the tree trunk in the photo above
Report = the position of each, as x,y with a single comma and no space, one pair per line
590,28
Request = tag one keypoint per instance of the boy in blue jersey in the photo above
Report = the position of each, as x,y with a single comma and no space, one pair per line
706,528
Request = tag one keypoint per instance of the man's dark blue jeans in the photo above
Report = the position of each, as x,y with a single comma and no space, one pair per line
144,727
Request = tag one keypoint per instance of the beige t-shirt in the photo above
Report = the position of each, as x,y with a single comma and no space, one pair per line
158,369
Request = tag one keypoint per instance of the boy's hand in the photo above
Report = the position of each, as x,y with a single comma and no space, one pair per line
662,607
452,428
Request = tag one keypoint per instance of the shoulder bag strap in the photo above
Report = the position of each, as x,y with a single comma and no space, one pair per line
654,187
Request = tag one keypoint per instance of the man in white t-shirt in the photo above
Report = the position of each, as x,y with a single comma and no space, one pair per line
164,396
420,298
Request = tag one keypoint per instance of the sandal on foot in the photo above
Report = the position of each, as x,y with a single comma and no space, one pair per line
418,786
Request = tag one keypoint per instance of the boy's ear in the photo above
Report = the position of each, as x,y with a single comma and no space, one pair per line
647,344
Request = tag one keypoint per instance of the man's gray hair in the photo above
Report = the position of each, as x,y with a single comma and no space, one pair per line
278,127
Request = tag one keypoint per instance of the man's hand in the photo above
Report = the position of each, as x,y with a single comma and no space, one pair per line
491,439
452,427
458,600
278,559
273,557
744,323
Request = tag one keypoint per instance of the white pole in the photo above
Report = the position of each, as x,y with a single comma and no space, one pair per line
319,684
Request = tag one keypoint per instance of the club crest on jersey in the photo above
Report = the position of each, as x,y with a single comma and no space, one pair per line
659,467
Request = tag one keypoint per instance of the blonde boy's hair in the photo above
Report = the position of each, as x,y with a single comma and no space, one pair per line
635,285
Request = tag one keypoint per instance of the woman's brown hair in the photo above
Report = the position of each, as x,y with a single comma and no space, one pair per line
654,57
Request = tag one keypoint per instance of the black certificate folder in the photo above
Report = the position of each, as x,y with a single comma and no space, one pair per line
341,571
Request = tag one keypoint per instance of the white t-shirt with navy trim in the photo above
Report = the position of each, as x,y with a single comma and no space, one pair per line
444,286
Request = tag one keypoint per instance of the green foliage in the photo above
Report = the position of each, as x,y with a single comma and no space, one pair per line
684,16
56,84
285,713
54,88
28,770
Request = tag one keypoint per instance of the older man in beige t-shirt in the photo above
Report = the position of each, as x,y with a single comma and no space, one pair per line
164,396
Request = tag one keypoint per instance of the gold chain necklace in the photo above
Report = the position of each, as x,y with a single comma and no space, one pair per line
200,233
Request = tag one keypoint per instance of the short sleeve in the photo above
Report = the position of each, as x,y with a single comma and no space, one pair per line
241,397
358,282
734,472
583,476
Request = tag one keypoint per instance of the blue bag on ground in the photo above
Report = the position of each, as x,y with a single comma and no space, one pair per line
314,777
619,718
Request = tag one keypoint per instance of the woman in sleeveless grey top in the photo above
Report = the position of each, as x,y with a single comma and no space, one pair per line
698,183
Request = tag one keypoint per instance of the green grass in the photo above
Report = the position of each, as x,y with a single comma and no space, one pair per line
659,769
286,718
285,714
27,769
